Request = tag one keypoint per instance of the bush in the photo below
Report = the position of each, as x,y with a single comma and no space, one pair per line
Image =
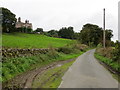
99,45
107,52
116,52
66,50
81,47
73,48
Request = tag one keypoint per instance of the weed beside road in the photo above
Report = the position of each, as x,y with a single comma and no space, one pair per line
51,78
15,66
110,58
114,65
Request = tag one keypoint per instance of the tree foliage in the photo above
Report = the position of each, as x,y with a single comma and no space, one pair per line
116,52
8,20
76,36
93,34
66,32
39,30
53,33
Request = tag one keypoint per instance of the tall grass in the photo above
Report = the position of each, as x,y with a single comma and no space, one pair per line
14,66
110,62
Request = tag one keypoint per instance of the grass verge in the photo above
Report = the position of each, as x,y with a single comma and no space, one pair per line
114,65
109,62
12,67
52,77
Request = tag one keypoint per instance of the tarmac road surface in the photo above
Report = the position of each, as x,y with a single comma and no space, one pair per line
86,72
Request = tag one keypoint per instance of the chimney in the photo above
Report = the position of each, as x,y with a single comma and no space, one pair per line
19,19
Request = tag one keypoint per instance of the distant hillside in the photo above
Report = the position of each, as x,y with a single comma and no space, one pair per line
22,40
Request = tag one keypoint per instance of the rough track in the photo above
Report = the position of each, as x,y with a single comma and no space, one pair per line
25,80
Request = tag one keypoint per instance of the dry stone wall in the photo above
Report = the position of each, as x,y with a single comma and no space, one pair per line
22,52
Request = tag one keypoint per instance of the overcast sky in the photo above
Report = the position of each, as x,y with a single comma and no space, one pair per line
54,14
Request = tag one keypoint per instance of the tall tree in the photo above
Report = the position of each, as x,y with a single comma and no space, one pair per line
53,33
8,20
66,32
76,36
39,30
109,34
93,34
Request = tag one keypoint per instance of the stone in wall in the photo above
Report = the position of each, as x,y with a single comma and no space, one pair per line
22,52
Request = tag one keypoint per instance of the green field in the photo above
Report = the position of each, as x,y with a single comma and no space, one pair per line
23,40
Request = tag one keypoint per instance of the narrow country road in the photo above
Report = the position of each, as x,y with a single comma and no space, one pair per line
86,72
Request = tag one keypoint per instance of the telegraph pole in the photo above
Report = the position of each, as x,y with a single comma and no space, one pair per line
104,28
